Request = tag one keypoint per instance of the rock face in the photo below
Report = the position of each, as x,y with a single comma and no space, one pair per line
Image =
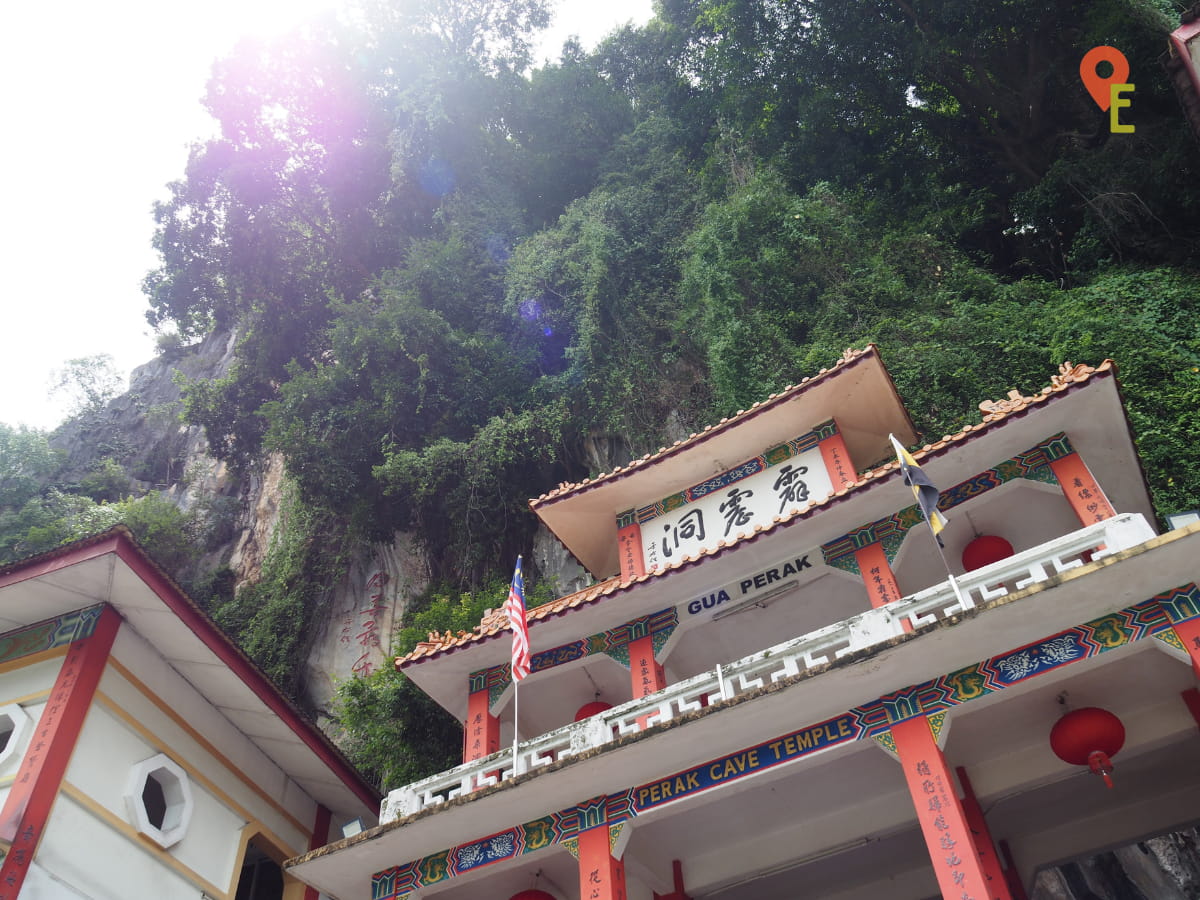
367,605
141,431
1161,868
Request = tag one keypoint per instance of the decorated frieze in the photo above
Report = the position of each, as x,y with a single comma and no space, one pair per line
614,642
56,632
873,721
890,531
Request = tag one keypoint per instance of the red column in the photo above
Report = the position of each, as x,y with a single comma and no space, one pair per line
629,549
647,674
320,837
600,876
1191,697
1011,874
837,462
678,893
1189,634
959,872
1081,489
877,575
482,734
40,776
981,836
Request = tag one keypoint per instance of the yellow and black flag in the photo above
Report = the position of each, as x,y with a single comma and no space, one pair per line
923,489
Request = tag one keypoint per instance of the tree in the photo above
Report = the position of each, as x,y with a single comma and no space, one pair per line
89,382
26,463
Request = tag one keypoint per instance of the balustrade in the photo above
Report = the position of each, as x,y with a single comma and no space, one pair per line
785,660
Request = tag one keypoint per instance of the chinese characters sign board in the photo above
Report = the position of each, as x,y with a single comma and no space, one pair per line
730,504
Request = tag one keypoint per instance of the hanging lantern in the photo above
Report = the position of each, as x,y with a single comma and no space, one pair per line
591,709
1088,737
985,550
532,895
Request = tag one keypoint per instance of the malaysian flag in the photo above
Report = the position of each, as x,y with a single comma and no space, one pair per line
514,608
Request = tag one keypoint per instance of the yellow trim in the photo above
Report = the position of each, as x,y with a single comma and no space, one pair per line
128,831
293,888
33,659
29,698
195,735
194,773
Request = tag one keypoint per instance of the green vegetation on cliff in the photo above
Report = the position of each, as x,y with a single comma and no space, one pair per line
451,272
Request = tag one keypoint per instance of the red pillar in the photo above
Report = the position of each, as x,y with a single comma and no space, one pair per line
1189,634
1012,876
629,549
648,676
320,837
959,872
482,734
981,836
837,462
877,575
678,893
601,877
1191,697
1081,489
40,776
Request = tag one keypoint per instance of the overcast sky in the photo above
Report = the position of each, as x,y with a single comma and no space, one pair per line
100,104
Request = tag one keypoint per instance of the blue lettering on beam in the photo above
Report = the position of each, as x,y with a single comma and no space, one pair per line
746,762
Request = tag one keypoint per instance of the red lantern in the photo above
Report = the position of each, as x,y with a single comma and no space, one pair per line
985,550
532,895
1088,737
591,709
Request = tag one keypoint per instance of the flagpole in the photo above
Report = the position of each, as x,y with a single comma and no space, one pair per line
950,575
911,472
514,608
516,720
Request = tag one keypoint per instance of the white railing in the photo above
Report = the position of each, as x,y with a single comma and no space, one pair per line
782,661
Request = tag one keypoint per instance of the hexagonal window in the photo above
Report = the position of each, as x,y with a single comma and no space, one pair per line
158,798
14,725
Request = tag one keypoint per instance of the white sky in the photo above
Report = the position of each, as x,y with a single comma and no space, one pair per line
101,101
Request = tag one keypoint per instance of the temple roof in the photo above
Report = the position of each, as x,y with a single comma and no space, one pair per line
994,413
856,391
112,568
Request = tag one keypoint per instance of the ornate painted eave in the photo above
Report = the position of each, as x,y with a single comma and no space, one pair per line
996,414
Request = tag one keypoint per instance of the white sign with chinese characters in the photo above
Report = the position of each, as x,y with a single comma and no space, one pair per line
731,504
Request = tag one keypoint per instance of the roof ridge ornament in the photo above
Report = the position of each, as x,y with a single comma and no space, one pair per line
1016,400
1068,372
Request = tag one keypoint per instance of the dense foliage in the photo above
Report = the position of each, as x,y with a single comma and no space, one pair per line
454,274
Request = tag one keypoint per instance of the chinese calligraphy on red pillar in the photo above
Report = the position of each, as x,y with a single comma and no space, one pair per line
601,877
959,872
648,676
1081,489
629,545
482,734
837,462
877,575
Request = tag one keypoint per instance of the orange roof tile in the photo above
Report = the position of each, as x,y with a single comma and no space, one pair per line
994,411
849,355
